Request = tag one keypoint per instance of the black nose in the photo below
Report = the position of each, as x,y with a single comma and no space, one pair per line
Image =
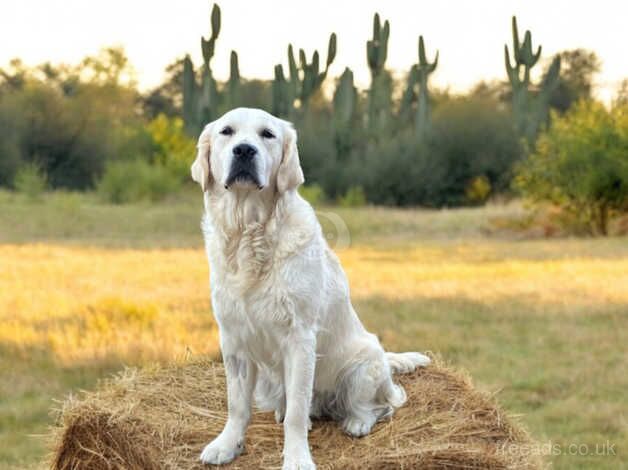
244,151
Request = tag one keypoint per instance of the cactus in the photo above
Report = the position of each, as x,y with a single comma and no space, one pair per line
190,97
380,92
418,77
424,69
377,48
202,101
345,102
282,97
233,85
530,109
305,78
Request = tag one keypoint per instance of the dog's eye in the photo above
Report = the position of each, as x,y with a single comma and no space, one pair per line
266,134
227,131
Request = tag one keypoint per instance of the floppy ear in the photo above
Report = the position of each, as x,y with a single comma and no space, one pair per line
289,174
201,171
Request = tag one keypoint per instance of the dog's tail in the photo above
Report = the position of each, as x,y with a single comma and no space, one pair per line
400,363
403,363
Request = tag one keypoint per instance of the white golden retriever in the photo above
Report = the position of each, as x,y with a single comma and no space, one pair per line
289,335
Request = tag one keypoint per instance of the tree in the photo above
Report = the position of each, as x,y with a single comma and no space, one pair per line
621,97
68,120
579,67
167,98
581,164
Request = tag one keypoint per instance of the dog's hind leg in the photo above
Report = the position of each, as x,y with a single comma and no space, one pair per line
365,394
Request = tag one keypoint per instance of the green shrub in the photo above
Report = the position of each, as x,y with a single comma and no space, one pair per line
313,194
478,190
31,181
354,197
136,180
581,164
173,148
471,141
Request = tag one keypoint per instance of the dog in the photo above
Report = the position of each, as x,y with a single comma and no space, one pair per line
290,339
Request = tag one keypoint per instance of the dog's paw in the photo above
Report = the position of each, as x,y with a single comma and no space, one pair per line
221,450
304,463
356,427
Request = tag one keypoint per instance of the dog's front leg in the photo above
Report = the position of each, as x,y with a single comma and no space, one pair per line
299,364
241,375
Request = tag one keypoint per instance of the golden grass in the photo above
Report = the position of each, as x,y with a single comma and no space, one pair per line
82,303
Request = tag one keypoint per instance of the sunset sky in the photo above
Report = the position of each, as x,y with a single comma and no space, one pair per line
469,35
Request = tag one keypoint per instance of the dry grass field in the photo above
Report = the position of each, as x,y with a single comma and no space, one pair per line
86,288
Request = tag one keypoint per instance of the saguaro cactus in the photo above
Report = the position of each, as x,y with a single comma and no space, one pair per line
233,85
424,69
345,101
530,107
281,94
201,102
379,95
190,97
418,77
305,79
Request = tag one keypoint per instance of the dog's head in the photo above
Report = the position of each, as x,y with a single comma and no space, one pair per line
248,150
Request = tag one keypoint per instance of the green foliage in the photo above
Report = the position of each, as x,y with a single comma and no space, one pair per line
354,197
132,181
312,193
580,164
30,180
530,107
478,189
172,147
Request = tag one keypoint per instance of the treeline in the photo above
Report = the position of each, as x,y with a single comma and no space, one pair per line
400,142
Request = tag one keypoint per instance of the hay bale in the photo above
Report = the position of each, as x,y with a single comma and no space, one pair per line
162,418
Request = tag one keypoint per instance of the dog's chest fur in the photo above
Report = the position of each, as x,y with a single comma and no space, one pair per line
257,286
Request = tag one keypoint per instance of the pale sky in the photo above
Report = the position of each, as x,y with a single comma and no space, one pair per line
469,34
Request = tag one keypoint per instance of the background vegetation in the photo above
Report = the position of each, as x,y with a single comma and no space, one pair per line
401,142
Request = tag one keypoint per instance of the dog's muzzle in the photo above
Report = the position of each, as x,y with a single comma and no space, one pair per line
243,166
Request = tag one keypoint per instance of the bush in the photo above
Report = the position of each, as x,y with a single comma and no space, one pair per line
173,148
354,197
312,193
472,141
467,157
31,181
581,164
137,180
73,119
